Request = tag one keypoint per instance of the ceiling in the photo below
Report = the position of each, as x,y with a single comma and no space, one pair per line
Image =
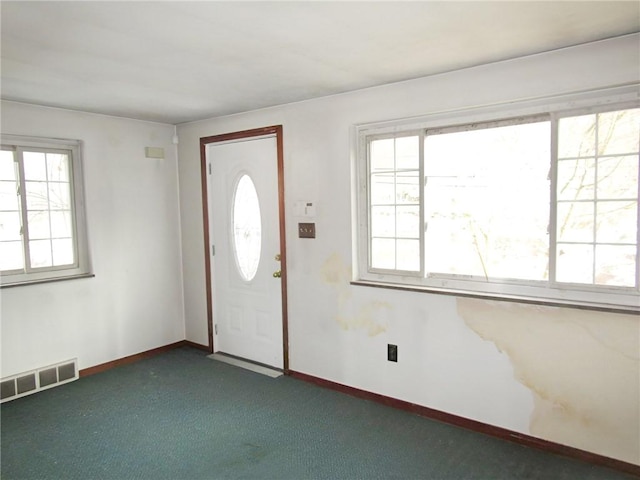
179,61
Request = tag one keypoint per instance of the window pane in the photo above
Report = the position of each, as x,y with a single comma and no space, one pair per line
40,253
35,167
38,224
8,196
576,179
383,221
575,222
574,263
487,202
577,136
382,189
247,228
37,195
59,196
452,248
58,167
618,177
617,222
395,154
7,165
62,251
408,187
61,224
408,255
11,256
615,265
10,226
382,155
408,153
408,222
383,253
618,132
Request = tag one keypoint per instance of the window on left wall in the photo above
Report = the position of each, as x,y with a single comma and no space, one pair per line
42,217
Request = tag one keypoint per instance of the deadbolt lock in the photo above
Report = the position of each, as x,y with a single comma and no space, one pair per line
277,257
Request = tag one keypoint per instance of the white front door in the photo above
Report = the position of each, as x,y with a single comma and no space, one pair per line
245,235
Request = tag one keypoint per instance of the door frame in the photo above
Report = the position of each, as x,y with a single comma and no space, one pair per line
246,134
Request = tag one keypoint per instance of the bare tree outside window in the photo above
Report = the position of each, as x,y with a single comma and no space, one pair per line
487,202
42,228
547,204
597,192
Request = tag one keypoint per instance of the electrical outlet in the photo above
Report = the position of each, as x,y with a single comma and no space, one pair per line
392,353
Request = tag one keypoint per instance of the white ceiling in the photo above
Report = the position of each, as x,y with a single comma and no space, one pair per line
175,61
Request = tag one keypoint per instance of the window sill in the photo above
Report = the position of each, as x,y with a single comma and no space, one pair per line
47,280
501,298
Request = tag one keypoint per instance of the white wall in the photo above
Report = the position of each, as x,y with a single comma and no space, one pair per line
134,303
569,376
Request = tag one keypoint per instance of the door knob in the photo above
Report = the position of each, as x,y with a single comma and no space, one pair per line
277,274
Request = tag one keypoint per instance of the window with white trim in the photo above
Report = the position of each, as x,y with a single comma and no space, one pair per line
42,219
541,207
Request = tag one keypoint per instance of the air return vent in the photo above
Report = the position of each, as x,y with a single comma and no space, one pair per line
34,381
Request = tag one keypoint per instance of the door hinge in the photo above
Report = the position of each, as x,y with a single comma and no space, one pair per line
213,250
209,169
215,328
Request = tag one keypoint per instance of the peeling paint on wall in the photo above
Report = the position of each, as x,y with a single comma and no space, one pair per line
336,273
583,368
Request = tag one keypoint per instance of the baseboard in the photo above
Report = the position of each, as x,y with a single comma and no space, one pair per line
134,358
474,425
427,412
204,348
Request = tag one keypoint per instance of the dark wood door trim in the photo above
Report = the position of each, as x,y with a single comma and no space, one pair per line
225,137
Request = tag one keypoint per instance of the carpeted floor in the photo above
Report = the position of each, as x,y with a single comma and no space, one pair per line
181,415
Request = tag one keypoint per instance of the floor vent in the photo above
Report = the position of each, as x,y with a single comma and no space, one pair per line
37,380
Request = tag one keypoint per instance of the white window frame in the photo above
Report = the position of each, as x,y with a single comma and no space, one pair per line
82,265
579,295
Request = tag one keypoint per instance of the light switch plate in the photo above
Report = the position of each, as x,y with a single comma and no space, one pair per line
307,230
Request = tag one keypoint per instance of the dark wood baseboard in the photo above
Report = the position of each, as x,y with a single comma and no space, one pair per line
138,356
427,412
204,348
474,425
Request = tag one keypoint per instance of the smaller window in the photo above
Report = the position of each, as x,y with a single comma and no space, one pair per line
395,203
42,222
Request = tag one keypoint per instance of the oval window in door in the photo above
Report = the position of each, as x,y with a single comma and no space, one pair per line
247,228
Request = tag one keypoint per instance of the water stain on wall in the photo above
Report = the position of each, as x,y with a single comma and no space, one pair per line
583,368
336,273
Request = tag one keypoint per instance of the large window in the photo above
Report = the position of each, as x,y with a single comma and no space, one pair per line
42,226
541,207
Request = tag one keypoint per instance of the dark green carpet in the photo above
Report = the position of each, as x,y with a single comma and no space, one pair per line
182,416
